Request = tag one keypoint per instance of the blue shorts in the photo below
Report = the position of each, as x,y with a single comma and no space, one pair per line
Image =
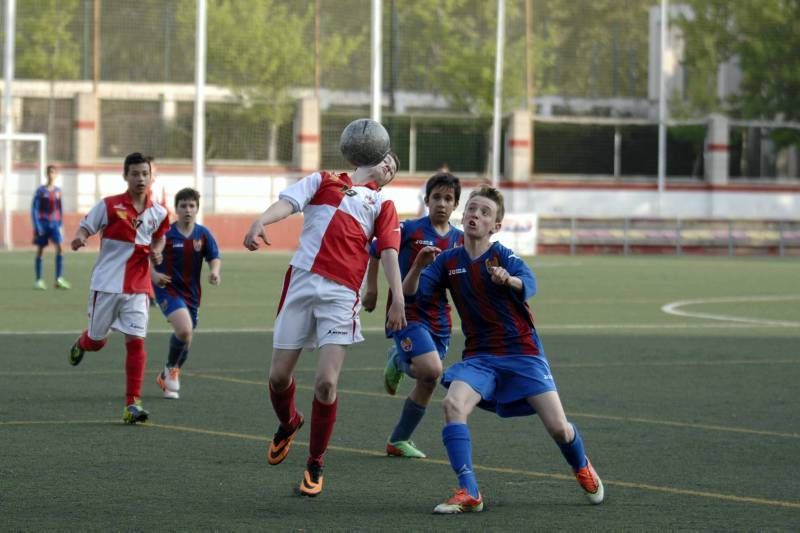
169,303
51,231
504,382
415,339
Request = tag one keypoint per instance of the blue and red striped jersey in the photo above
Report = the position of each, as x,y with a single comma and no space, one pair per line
46,204
414,236
183,261
495,320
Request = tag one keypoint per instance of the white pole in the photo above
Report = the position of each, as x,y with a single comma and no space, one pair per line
377,65
199,133
498,90
662,109
8,117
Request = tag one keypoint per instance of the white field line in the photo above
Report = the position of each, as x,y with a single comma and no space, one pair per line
673,309
542,328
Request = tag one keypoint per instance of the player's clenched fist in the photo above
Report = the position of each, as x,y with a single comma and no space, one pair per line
251,238
77,243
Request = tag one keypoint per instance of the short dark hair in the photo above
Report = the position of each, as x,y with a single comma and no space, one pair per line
493,194
187,194
134,159
396,160
49,168
443,179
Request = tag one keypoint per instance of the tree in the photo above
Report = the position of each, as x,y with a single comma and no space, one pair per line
262,49
585,49
764,37
47,48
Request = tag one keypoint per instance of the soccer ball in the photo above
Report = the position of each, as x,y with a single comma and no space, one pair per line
364,142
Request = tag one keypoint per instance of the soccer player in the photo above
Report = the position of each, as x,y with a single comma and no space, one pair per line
176,283
133,229
320,300
47,216
419,348
503,367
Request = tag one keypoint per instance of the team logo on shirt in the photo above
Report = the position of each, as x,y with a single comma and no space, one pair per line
198,245
492,262
406,344
122,214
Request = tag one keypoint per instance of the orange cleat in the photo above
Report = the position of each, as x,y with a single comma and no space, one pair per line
461,502
312,481
282,441
590,483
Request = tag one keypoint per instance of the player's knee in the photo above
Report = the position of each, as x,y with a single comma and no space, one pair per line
426,370
325,390
428,383
184,335
91,345
279,383
562,433
453,409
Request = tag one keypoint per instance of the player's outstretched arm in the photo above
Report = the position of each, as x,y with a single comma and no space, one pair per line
370,298
214,277
396,317
274,213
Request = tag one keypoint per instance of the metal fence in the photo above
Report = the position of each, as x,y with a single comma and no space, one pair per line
589,58
631,236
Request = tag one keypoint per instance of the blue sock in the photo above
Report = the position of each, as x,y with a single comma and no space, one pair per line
176,347
459,450
37,267
59,265
409,420
182,358
573,451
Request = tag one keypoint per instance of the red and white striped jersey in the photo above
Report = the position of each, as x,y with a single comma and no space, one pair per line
123,264
340,220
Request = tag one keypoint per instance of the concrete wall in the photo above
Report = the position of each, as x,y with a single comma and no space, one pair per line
229,191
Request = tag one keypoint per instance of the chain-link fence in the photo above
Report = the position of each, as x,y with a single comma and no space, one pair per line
562,58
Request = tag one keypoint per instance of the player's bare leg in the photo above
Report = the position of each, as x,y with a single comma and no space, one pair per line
169,378
551,412
426,369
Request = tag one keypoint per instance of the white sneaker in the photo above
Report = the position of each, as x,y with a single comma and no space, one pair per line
172,378
169,382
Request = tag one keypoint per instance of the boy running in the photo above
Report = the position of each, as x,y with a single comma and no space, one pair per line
419,348
176,283
133,229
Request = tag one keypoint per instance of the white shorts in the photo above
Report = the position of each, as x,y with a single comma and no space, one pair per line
127,313
315,311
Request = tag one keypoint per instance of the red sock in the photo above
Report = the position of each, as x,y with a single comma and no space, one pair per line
90,345
283,405
323,417
135,362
